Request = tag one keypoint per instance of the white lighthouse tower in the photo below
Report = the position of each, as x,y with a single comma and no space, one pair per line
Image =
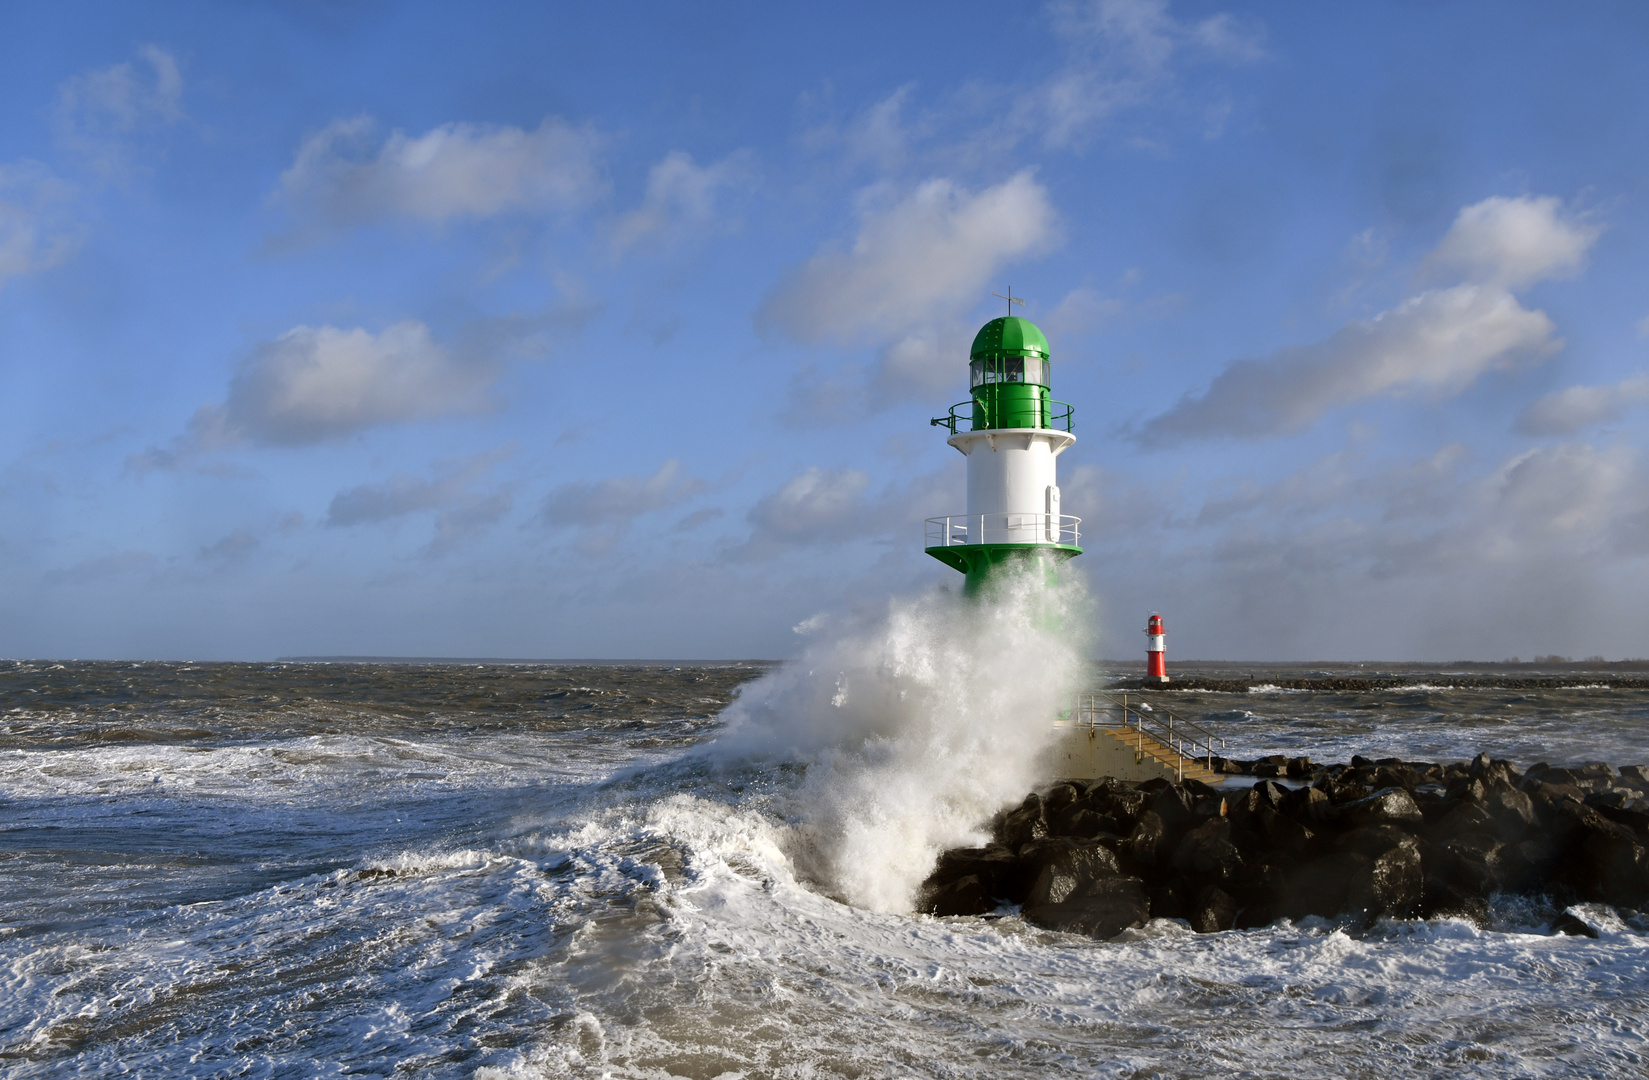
1012,433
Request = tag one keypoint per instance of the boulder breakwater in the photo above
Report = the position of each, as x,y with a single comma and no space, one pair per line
1291,839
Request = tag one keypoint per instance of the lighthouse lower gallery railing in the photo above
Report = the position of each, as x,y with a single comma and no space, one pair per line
959,529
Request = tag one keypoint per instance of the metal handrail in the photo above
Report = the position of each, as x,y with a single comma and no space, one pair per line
1052,417
957,529
1171,732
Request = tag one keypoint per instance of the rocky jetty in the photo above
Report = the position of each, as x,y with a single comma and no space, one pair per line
1359,841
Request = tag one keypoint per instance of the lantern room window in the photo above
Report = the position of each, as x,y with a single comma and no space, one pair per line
1011,369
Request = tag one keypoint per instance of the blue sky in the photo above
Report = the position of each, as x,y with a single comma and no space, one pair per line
556,331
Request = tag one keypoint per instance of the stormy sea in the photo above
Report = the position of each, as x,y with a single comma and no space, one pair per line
522,870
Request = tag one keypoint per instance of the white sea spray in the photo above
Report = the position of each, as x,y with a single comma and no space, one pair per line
916,724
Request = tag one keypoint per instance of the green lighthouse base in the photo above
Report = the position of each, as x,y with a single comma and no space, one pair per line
978,561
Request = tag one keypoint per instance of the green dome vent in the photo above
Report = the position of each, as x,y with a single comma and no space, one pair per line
1009,336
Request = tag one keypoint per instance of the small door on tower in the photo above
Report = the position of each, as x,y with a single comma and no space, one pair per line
1052,531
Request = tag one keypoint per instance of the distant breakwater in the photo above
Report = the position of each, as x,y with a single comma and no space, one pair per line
1361,684
1357,841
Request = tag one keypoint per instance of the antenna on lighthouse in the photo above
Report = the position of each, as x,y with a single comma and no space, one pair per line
1010,298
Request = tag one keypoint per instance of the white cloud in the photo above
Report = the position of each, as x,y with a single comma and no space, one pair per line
597,511
1565,412
120,564
99,112
812,507
1082,309
1121,57
464,512
679,193
344,176
233,548
913,263
1514,242
36,229
922,363
1439,341
1427,558
829,506
313,384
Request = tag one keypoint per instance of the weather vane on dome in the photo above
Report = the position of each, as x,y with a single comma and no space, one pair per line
1011,299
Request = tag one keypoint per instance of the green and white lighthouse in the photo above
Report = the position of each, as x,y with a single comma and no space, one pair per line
1012,432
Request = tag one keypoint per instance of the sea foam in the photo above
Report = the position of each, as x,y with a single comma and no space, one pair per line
915,724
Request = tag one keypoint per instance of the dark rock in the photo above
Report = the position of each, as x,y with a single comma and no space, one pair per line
1633,819
1210,806
1099,857
1396,776
1171,804
999,872
1375,840
1028,823
1388,804
1450,902
1476,863
1066,868
1347,883
1306,805
1127,805
1636,775
1169,902
1348,789
1200,791
1299,767
966,895
1146,842
1606,863
1571,924
1104,909
1059,797
1214,910
1465,817
1392,884
1550,795
1208,853
1433,804
1078,821
1512,810
1273,793
1467,789
1541,853
1281,832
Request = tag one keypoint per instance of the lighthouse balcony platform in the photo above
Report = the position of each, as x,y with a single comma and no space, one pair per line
973,529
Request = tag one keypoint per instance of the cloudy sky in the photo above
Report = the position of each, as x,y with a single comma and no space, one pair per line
614,331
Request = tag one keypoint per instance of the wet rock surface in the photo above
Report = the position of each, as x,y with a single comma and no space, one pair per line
1358,841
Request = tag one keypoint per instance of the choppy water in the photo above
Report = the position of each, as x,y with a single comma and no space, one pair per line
302,870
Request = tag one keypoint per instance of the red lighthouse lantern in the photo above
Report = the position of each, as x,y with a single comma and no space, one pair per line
1156,668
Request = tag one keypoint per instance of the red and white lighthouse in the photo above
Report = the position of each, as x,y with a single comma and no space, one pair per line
1156,667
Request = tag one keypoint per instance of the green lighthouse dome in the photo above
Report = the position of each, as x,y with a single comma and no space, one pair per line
1009,336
